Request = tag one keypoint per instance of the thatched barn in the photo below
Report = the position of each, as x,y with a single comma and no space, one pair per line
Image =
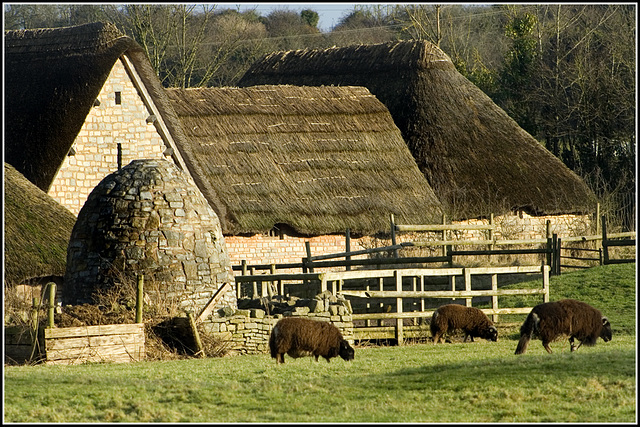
475,157
79,103
292,163
36,232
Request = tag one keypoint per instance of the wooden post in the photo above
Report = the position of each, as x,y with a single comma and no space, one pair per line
307,246
196,336
605,246
467,284
34,314
422,290
554,251
393,235
139,298
491,231
399,321
452,280
494,298
559,256
347,239
444,235
274,285
381,287
52,304
255,284
545,283
239,284
597,218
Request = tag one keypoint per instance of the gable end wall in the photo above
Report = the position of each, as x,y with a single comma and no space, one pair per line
96,145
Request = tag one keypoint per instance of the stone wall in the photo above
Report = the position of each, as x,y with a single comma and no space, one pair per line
96,146
247,331
148,218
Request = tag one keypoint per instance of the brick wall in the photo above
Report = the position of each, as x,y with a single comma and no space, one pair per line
95,146
263,249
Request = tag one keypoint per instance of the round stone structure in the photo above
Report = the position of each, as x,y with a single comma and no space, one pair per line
151,218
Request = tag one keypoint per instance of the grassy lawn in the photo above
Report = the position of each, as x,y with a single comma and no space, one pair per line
471,382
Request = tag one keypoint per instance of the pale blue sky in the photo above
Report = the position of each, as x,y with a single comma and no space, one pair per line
329,13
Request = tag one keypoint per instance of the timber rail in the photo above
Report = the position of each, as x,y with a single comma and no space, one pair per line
405,287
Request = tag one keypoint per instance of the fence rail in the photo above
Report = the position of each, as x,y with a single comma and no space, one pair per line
341,282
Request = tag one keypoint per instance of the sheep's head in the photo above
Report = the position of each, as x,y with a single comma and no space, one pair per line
346,351
605,332
491,333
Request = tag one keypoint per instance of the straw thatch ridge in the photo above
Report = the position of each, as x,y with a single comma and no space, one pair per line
320,160
476,158
36,230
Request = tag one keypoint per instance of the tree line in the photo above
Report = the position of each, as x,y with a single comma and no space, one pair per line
564,72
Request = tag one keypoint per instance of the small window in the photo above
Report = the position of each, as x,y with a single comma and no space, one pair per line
118,98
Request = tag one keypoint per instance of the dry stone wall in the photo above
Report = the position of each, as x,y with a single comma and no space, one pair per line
148,218
247,331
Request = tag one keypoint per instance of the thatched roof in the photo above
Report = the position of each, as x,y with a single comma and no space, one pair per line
36,230
476,158
319,159
52,78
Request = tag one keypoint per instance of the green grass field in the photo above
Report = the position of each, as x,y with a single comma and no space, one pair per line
472,382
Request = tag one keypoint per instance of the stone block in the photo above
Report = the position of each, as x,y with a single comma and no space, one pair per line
257,313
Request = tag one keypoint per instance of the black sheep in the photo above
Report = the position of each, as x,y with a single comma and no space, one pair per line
299,336
565,317
472,321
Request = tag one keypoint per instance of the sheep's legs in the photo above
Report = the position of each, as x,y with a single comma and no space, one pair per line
573,345
546,347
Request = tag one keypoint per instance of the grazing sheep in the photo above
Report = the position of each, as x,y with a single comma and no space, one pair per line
472,321
299,336
565,317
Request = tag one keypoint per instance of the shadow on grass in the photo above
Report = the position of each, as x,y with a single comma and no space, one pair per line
614,365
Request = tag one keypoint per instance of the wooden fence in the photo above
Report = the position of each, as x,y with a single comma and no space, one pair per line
614,241
356,284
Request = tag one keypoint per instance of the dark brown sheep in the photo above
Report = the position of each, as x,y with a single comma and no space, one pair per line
565,317
472,321
299,336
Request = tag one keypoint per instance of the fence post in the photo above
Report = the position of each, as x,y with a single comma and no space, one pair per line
545,283
52,304
239,284
347,241
393,235
558,256
605,245
139,298
494,298
554,253
196,336
467,285
399,321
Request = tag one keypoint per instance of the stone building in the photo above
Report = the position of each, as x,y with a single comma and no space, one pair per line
81,102
150,218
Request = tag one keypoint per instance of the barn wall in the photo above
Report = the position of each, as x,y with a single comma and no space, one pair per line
96,152
263,249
